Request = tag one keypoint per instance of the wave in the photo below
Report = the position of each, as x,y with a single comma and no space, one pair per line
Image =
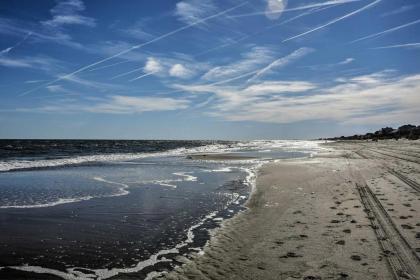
311,147
10,165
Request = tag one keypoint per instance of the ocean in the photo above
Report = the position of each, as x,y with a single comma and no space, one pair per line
120,209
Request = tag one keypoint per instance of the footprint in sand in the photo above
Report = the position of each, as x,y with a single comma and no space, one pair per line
356,258
290,255
405,226
310,277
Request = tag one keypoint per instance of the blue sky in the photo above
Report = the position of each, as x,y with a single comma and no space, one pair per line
207,69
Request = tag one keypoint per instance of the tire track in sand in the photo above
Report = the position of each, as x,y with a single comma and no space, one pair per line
402,258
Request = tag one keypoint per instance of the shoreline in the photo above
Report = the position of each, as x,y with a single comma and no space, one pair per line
308,219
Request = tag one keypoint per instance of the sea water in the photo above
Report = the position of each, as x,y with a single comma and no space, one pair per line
102,209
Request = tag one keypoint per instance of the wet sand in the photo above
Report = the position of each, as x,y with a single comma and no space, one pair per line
351,212
219,156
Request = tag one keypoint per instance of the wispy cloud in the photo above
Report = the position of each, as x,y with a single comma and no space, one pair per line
114,104
346,61
100,86
386,31
129,105
43,63
408,46
192,11
281,62
67,13
136,47
9,49
250,60
62,90
136,31
16,63
400,10
334,21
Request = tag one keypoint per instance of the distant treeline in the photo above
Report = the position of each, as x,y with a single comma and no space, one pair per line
408,131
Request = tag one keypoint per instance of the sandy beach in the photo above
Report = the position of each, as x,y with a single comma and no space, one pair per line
350,212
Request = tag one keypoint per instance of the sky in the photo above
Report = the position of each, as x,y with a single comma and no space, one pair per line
207,69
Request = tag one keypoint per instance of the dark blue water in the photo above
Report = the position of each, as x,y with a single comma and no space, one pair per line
102,209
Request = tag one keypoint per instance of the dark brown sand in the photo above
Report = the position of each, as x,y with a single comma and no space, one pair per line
352,212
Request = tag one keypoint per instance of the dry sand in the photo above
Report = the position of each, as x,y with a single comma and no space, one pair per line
352,212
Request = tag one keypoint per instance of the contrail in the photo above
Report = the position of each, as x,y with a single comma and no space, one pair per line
7,50
386,31
310,12
137,47
109,65
310,6
282,62
142,76
127,73
334,21
409,45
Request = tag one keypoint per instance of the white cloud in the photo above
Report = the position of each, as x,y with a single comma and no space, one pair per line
276,87
275,8
152,66
256,57
180,71
377,98
66,13
192,11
